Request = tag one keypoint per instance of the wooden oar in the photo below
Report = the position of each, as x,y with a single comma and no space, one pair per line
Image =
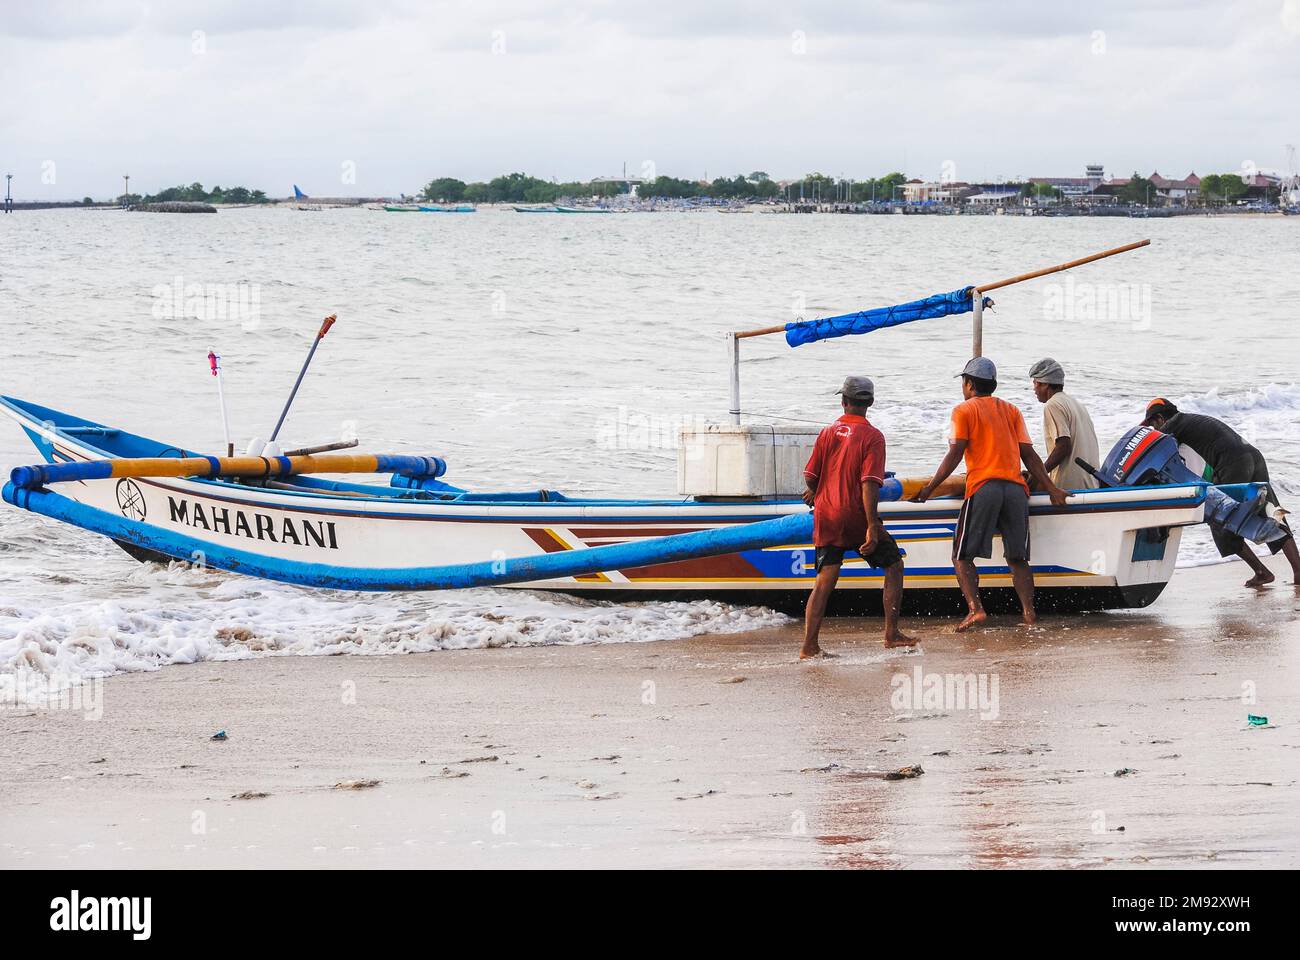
986,287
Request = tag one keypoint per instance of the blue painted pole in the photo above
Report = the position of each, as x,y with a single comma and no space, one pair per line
794,528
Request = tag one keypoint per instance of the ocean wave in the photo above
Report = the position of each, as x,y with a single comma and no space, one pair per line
1272,397
183,615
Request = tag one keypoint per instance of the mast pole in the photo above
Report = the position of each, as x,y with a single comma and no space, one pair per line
734,350
977,324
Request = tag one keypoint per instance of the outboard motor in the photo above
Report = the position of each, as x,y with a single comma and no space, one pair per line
1144,457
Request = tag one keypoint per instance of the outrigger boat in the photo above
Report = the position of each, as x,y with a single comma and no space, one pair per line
738,533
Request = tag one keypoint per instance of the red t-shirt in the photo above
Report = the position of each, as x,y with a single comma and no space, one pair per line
847,453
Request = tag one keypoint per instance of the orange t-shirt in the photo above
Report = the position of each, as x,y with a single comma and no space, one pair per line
993,430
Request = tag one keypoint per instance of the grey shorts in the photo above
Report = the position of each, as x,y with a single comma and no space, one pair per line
998,507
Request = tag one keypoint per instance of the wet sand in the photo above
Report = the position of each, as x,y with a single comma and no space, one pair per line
712,752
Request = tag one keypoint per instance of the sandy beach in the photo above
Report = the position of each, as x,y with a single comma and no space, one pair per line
719,751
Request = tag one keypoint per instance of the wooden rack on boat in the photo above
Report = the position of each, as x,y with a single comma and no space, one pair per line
977,313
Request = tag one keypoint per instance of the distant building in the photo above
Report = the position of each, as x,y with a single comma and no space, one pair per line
1265,181
1094,176
994,196
1179,192
942,191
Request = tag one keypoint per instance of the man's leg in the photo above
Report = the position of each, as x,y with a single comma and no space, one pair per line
1023,578
1293,555
971,524
1263,575
815,610
969,579
893,601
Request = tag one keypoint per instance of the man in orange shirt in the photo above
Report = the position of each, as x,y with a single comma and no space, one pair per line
844,476
990,434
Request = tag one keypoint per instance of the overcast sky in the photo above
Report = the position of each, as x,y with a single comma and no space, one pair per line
267,93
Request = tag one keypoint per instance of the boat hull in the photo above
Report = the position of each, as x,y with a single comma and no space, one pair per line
1113,548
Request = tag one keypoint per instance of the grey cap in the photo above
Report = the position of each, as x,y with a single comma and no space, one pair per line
1048,371
857,388
981,367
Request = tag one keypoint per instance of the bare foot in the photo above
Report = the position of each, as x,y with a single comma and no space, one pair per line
901,639
1029,618
817,654
1262,579
972,618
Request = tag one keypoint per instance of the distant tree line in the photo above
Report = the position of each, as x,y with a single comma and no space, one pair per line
197,194
521,188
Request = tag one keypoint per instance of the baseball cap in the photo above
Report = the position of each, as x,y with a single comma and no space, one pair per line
981,367
857,388
1160,406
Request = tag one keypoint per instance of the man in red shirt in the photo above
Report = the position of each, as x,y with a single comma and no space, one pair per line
844,477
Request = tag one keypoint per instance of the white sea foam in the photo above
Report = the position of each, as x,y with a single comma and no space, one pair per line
175,615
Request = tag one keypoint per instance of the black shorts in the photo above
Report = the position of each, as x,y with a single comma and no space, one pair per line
1001,507
1250,467
886,554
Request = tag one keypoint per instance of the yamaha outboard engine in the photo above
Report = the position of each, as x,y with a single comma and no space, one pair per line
1144,456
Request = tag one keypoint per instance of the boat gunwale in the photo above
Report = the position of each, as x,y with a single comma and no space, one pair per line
1113,498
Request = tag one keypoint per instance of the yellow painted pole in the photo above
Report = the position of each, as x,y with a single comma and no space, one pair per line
244,466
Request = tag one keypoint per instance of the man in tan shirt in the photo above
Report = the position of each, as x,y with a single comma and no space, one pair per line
1066,427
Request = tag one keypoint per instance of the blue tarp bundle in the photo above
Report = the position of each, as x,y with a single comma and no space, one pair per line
864,321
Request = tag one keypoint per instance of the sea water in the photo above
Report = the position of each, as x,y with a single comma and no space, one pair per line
564,352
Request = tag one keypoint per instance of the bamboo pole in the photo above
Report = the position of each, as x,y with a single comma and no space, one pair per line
36,476
986,287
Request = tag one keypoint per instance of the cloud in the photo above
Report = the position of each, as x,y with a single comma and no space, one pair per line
269,93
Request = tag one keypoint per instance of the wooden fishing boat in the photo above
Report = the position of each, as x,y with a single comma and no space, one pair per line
1096,552
275,516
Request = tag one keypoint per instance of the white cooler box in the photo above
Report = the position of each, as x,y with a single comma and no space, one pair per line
751,460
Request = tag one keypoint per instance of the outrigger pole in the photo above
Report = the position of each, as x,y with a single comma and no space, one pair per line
34,477
320,335
973,294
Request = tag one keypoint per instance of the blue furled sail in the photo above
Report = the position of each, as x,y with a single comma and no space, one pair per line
864,321
298,194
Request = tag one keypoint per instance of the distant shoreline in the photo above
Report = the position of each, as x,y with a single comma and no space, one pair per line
896,210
